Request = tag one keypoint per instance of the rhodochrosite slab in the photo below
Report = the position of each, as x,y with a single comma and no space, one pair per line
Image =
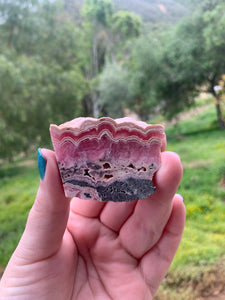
106,159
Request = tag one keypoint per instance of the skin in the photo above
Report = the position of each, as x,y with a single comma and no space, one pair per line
84,249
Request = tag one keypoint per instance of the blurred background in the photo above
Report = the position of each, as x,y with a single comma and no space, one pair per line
160,61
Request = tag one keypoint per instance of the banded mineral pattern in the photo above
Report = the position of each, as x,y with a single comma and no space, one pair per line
108,160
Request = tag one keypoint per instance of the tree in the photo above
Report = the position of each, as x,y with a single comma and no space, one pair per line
107,33
41,81
214,35
126,24
97,14
18,23
73,8
32,95
10,81
113,90
194,58
179,62
126,27
145,71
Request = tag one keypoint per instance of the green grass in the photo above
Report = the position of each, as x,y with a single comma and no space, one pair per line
201,146
18,186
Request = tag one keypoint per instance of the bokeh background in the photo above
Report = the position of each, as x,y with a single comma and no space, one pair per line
160,61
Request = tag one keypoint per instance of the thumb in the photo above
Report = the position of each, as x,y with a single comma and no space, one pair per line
48,217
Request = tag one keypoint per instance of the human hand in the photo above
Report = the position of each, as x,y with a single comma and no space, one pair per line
84,249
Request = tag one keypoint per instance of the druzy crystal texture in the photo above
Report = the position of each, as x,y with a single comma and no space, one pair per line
108,160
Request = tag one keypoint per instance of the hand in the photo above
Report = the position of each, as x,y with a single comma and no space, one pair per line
84,249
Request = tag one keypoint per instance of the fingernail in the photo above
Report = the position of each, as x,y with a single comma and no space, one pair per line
181,196
41,164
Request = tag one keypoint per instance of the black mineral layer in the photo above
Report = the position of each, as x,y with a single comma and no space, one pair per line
118,191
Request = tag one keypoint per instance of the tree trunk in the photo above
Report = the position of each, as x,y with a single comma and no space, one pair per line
94,74
10,38
95,106
95,67
220,118
219,114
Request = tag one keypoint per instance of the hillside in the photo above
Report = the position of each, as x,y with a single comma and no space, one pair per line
155,11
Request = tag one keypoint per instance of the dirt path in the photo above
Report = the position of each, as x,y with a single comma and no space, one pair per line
186,115
215,297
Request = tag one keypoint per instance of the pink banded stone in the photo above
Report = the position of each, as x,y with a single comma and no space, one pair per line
108,160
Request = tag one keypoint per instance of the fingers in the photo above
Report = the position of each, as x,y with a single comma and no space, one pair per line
86,208
114,215
155,264
48,217
144,227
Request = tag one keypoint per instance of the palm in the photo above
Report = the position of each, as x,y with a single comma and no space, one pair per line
108,251
104,266
117,245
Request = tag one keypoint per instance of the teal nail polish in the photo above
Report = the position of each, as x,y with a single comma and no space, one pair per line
41,164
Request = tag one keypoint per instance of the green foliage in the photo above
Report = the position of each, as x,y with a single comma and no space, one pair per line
165,71
99,11
54,67
171,66
196,59
109,32
18,186
59,41
143,67
10,83
38,95
127,24
214,32
154,11
41,80
18,19
113,90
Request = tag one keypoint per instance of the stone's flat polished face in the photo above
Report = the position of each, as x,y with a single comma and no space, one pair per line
108,160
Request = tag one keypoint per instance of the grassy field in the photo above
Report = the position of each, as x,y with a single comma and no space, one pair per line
18,186
202,151
200,260
201,256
